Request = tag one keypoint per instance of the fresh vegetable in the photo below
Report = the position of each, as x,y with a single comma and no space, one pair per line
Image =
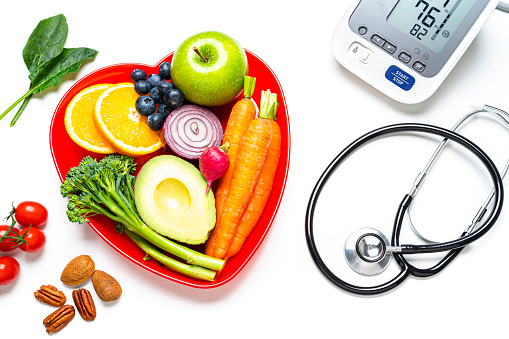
9,243
191,129
251,156
213,163
46,59
35,239
9,270
107,188
263,187
242,113
31,213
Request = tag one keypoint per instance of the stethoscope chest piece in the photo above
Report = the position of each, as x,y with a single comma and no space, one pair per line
366,251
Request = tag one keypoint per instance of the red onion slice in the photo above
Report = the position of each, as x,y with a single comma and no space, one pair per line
191,129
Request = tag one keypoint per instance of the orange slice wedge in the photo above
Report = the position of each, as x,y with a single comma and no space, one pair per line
79,120
116,117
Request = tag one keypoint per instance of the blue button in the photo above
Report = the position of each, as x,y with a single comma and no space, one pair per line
400,78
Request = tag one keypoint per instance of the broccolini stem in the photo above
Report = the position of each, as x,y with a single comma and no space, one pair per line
190,270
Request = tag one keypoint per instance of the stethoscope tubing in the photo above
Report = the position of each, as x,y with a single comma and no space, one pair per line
454,246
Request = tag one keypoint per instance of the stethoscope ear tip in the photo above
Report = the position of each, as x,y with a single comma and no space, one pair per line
366,251
477,105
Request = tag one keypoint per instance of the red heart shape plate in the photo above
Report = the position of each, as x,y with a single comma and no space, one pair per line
67,154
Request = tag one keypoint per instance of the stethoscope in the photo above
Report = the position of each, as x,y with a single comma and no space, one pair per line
369,252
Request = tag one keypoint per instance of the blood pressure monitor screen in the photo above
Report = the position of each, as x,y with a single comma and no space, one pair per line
431,22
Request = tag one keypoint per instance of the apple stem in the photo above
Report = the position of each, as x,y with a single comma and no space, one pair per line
205,59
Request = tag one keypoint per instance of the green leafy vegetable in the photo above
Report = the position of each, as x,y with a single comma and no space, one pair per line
47,60
107,187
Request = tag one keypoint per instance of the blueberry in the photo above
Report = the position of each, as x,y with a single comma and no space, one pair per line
174,98
165,70
155,95
155,121
164,86
164,110
142,87
153,79
145,105
138,74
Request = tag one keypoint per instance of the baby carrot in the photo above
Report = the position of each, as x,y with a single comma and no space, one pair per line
251,156
242,113
265,181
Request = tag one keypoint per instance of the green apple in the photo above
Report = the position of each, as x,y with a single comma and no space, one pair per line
209,68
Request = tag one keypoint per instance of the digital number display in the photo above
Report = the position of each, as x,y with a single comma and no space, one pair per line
431,22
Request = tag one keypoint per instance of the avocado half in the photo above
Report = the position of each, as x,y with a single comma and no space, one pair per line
170,197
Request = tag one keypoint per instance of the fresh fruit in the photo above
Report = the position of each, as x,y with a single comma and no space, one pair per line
78,270
165,70
138,74
8,244
79,121
116,117
31,213
164,109
35,239
169,196
106,287
145,105
154,79
174,98
209,68
142,87
164,86
214,163
155,121
156,95
9,270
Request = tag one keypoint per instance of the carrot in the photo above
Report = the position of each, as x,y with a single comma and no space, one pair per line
263,187
251,156
242,113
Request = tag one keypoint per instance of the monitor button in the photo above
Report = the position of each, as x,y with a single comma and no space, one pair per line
405,57
389,47
419,66
378,40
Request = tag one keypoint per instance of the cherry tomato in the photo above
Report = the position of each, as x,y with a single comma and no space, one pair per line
8,245
9,270
35,239
31,213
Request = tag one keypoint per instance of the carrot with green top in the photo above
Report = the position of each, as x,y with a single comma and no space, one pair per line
242,113
251,156
265,182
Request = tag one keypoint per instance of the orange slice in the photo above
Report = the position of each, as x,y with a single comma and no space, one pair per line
116,117
79,120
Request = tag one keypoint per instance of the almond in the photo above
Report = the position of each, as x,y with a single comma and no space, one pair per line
78,270
106,287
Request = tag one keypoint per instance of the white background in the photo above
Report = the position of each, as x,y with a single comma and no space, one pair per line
280,293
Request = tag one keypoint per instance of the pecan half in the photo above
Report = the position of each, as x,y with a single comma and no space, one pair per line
84,303
59,319
50,295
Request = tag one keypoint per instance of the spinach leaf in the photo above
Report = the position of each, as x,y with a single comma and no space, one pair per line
52,72
46,41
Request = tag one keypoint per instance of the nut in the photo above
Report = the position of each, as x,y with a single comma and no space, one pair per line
84,304
50,295
59,319
78,270
106,287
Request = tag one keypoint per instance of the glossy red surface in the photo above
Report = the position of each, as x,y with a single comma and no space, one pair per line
67,154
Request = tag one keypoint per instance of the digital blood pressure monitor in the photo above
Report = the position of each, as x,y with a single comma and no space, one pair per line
406,48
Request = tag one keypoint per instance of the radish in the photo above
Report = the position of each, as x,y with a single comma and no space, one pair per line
214,163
